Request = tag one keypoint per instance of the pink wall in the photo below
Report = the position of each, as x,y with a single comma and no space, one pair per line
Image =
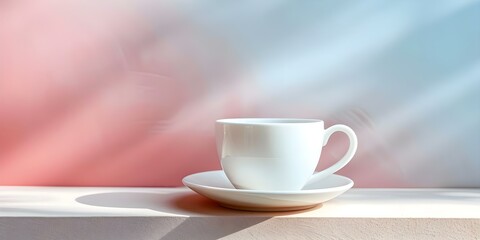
97,99
127,94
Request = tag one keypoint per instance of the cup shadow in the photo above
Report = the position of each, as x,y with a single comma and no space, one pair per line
182,203
199,212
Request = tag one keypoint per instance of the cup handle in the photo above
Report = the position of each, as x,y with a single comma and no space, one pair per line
346,158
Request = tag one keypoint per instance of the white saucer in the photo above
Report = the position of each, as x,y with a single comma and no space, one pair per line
216,186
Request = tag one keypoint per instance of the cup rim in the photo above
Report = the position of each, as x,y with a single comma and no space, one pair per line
268,121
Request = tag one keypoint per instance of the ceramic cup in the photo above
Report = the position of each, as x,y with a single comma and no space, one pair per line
276,154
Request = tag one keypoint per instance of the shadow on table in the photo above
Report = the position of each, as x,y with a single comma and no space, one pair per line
204,219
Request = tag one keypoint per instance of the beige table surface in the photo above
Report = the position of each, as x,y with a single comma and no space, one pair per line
178,213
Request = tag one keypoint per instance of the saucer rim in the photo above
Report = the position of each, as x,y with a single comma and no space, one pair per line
274,192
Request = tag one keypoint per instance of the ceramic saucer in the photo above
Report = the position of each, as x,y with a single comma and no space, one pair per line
215,186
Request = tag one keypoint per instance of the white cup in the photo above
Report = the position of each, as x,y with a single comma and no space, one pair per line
276,154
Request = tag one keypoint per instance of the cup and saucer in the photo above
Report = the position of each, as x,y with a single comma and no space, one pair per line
268,165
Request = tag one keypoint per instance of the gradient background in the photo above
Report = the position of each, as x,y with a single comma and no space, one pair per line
125,93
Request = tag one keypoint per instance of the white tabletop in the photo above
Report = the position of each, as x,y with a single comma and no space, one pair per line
71,213
181,202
